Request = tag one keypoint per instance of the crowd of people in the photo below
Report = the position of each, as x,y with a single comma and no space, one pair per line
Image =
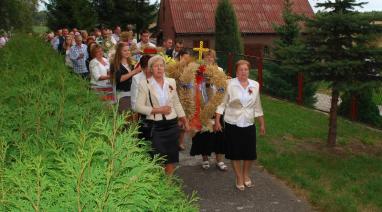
119,68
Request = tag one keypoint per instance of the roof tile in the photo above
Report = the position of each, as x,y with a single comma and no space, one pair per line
254,16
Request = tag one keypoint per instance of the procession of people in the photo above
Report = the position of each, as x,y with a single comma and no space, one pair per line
173,95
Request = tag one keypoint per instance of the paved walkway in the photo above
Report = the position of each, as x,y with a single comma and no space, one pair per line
324,100
217,192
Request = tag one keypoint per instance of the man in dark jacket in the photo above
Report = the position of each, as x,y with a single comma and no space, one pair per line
175,51
61,39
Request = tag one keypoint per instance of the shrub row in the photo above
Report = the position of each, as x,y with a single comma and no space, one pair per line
61,149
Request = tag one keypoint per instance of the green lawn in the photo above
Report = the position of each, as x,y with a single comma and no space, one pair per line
40,29
346,178
377,97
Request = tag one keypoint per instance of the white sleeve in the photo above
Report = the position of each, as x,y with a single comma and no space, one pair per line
258,107
95,70
134,91
221,108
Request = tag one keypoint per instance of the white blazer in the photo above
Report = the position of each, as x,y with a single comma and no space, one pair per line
237,113
143,105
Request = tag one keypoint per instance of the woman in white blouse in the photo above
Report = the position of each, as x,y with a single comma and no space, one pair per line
241,105
158,100
99,69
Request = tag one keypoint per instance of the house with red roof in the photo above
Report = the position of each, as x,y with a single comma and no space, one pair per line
194,20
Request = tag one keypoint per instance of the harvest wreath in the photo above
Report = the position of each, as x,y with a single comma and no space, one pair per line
192,79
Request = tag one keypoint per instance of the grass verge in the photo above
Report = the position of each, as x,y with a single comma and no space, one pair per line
346,178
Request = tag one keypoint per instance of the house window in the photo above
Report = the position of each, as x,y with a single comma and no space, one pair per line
267,51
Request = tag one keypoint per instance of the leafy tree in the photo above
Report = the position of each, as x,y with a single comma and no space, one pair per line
227,34
144,14
139,12
40,18
340,45
281,79
105,11
71,13
17,14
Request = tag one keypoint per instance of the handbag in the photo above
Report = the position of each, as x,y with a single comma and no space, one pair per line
146,125
145,129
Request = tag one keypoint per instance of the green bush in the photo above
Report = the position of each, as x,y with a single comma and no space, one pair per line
61,149
368,111
283,84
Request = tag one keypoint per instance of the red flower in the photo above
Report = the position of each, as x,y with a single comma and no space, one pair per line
250,91
200,73
202,69
171,88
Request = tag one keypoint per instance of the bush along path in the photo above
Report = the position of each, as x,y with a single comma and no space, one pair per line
62,150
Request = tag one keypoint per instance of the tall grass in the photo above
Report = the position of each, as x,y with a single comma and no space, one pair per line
62,150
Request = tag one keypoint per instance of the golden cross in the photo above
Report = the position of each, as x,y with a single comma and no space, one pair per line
200,50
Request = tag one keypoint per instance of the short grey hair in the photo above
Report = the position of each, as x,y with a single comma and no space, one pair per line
155,59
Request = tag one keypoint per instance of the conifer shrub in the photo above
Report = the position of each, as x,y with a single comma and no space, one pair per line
61,149
368,111
227,34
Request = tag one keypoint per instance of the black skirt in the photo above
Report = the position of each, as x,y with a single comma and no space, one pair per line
240,142
207,142
164,142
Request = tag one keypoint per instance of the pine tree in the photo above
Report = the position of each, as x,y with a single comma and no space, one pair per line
281,79
340,45
227,34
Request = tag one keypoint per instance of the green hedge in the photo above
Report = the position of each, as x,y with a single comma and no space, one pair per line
61,149
368,111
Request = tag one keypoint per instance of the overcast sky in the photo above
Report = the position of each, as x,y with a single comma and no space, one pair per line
375,5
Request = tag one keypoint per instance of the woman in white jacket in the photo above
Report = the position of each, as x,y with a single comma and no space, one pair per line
158,100
241,105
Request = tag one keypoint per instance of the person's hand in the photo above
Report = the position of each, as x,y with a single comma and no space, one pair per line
137,69
166,110
183,123
217,126
262,130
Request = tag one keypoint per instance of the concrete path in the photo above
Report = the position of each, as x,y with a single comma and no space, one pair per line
323,103
217,192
